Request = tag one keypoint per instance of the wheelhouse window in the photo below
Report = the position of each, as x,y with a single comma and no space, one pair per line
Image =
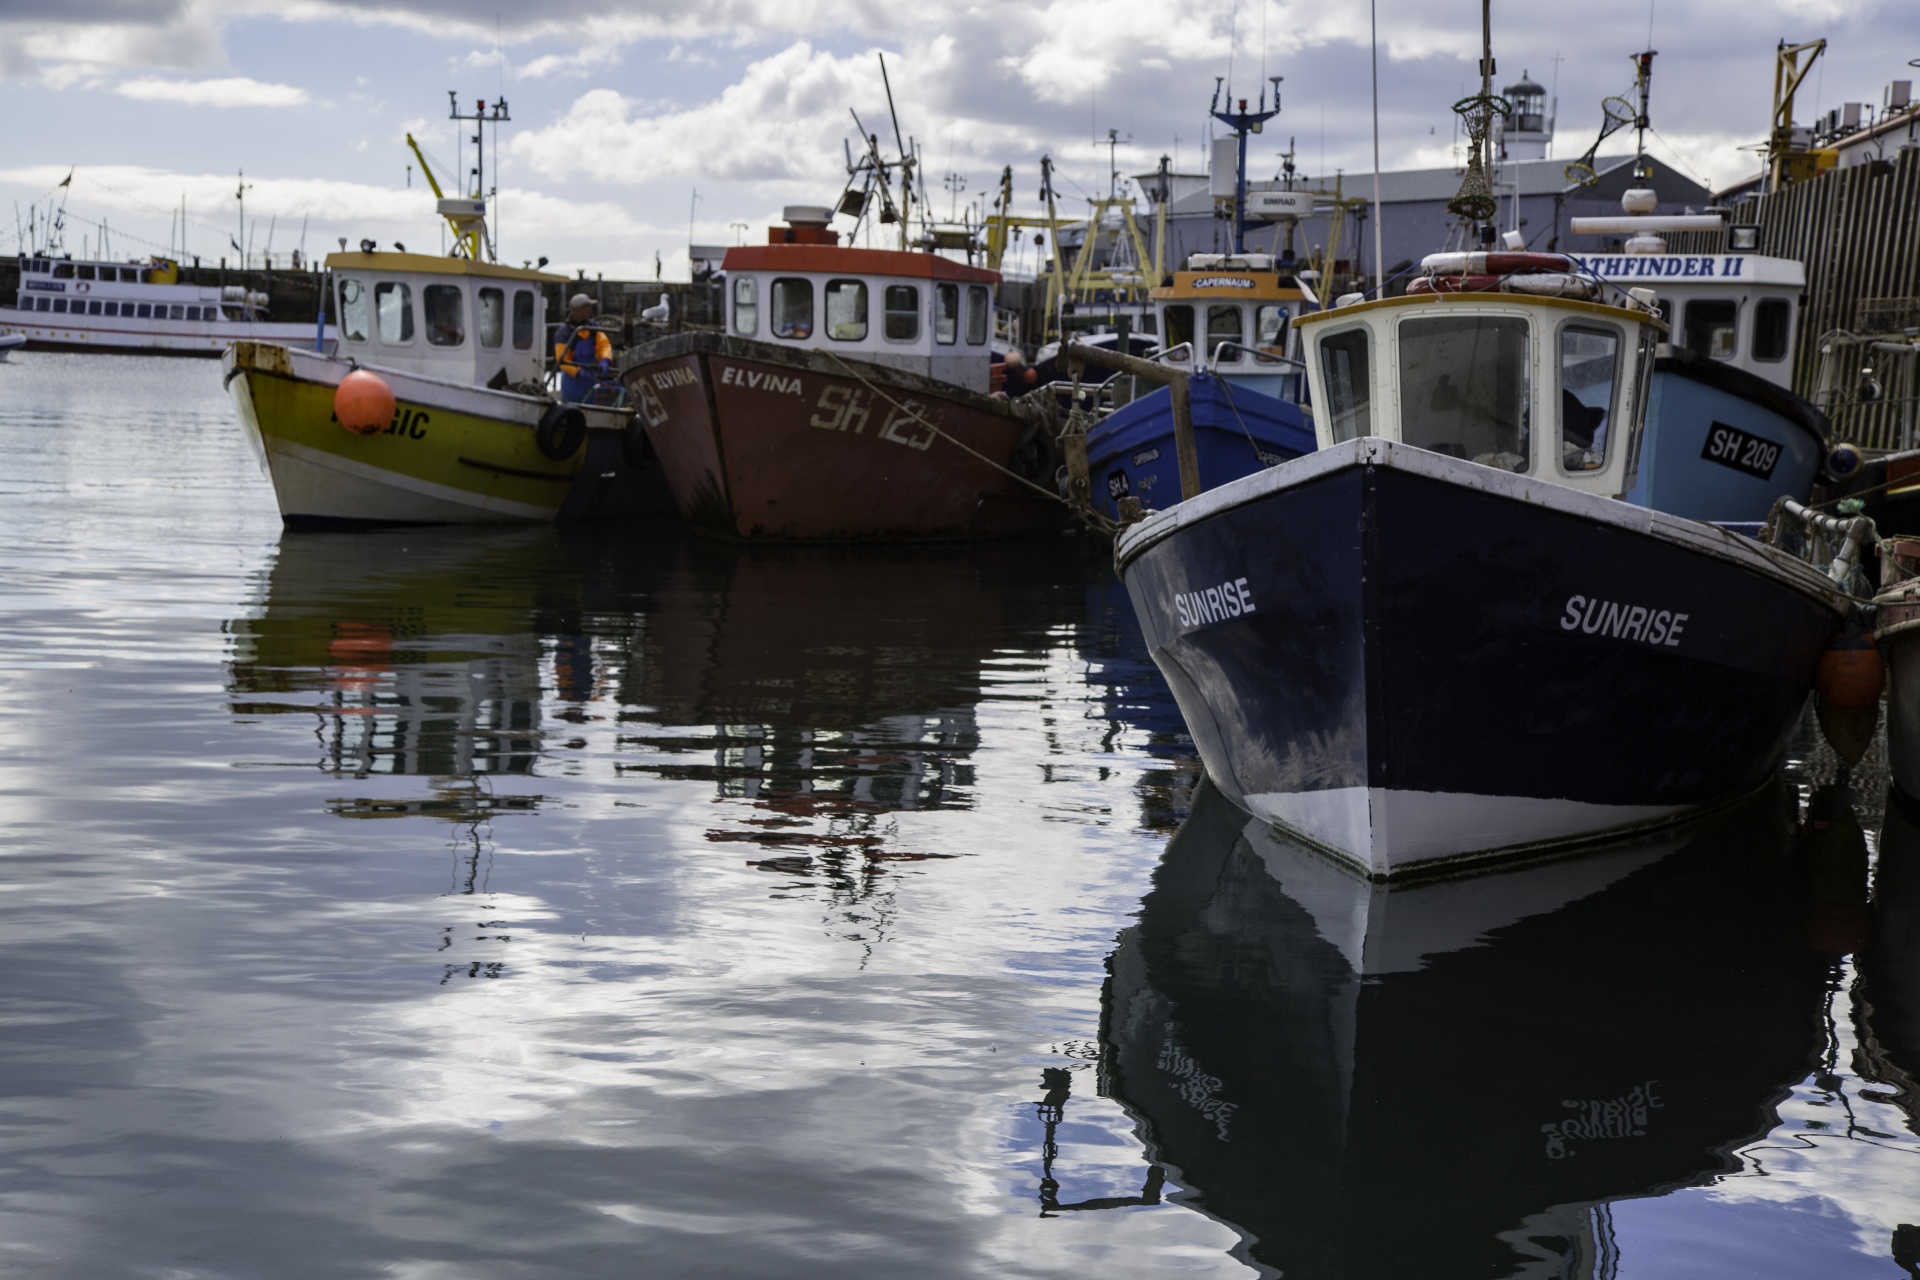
746,306
63,271
353,309
1346,366
1179,331
1465,386
493,318
393,312
946,314
522,319
847,310
1709,327
902,304
1270,329
1772,329
979,310
792,307
1224,325
86,271
129,275
446,309
1589,376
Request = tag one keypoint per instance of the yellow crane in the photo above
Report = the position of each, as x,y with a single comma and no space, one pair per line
1787,163
468,216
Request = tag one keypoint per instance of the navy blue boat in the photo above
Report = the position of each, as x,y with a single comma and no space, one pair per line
1227,322
1237,431
1443,637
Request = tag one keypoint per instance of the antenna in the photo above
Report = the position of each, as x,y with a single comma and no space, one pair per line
906,160
1643,77
240,194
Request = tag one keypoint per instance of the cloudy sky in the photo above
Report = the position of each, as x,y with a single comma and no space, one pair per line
623,110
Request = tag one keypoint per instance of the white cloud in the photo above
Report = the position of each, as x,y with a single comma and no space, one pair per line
782,120
234,91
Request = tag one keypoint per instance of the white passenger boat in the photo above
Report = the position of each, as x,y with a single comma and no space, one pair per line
140,308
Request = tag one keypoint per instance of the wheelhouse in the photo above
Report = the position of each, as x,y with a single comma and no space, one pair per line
1234,316
914,311
468,322
1552,388
1740,309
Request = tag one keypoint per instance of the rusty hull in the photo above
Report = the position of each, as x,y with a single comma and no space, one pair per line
758,441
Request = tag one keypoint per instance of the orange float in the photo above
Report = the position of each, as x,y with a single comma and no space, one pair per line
363,403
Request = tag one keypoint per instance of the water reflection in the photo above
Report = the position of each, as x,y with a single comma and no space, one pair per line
412,648
818,692
1460,1077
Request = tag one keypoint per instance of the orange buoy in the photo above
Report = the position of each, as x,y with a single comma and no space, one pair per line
363,403
1850,674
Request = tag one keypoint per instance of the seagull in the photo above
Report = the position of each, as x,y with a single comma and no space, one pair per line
658,312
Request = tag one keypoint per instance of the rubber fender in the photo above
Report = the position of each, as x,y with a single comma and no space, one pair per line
636,446
562,430
1844,461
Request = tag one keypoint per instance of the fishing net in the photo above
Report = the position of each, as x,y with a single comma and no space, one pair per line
1616,114
1475,201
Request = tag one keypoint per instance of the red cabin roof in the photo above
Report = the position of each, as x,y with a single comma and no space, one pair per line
829,259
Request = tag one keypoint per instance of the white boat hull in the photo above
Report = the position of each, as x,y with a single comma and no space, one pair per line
122,335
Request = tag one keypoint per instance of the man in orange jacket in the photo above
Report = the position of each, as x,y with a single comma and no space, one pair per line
584,354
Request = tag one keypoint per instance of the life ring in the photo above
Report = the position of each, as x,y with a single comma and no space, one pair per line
562,430
1480,263
81,286
1454,284
636,446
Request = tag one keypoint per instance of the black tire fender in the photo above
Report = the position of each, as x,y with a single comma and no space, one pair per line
562,430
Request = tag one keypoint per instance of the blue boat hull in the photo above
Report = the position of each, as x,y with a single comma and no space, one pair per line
1722,445
1411,660
1237,431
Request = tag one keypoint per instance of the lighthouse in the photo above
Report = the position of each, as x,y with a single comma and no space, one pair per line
1524,135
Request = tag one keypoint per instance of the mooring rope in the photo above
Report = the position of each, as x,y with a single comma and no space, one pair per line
1099,522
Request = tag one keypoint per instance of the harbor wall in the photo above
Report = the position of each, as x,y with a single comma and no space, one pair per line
1858,232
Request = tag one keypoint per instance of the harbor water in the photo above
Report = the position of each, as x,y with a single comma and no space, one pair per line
536,902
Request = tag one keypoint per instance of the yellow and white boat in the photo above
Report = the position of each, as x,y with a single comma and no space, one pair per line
443,416
437,332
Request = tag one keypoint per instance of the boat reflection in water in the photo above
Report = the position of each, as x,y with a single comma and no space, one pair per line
419,650
1456,1077
817,688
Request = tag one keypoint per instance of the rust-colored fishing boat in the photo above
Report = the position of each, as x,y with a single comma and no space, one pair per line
847,398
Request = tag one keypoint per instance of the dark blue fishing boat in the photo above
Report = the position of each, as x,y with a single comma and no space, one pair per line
1443,637
1237,430
1226,321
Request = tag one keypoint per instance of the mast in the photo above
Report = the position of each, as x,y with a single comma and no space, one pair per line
1643,75
470,228
1244,122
